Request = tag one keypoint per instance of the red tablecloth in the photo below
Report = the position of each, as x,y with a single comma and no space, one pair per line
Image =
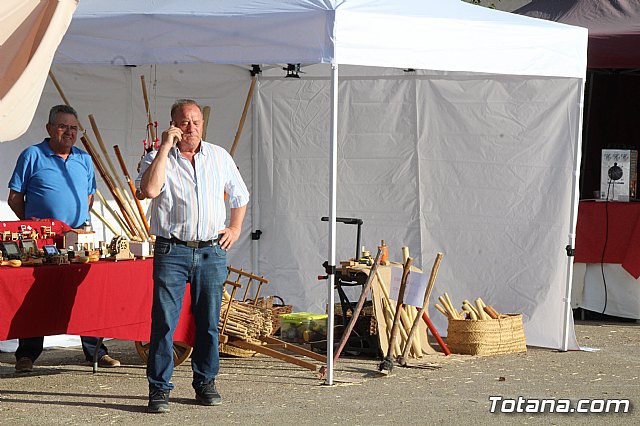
104,299
622,234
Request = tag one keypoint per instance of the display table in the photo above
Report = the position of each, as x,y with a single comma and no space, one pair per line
104,299
618,224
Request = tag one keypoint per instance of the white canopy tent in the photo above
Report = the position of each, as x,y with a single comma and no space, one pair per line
475,153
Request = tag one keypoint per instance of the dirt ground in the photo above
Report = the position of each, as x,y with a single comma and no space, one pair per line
263,391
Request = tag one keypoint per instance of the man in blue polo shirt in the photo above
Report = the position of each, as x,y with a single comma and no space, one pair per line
54,179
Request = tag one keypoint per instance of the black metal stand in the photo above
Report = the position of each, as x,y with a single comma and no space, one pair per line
350,221
95,355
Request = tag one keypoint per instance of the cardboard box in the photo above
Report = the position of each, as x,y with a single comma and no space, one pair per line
303,327
624,188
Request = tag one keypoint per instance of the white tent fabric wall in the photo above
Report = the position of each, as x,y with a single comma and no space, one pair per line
495,203
426,163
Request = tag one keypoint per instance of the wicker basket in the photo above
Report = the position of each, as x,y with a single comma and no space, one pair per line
487,337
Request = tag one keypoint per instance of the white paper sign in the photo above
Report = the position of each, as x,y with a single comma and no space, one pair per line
416,286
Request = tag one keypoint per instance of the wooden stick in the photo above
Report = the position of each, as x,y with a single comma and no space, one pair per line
246,274
416,347
488,311
434,273
406,325
104,220
448,299
126,201
244,115
481,314
472,307
146,107
387,364
356,311
206,111
411,314
110,185
491,312
115,215
111,169
469,309
453,312
443,311
472,313
106,178
389,321
392,310
405,253
436,335
425,303
64,98
132,187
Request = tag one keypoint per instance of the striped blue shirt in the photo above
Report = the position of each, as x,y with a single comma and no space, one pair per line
191,204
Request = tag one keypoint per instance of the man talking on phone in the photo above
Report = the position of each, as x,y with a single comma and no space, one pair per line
186,178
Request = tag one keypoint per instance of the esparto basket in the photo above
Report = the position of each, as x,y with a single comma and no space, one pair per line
487,337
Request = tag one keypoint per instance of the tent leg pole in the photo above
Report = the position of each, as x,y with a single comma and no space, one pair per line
255,171
575,200
333,171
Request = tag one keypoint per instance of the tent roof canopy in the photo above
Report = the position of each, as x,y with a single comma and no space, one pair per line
426,34
614,27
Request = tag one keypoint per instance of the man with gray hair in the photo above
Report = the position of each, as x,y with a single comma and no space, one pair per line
55,180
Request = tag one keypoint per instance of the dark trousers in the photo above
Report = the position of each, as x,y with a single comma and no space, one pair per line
32,348
205,268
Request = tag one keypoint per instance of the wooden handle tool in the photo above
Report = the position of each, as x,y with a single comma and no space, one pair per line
386,365
427,293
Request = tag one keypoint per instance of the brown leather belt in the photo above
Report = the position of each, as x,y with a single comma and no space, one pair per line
192,244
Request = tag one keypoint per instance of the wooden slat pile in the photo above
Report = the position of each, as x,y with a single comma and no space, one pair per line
245,321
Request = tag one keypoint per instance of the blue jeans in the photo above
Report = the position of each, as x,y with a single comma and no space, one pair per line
173,266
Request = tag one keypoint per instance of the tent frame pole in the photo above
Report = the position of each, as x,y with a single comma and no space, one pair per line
333,173
255,170
575,200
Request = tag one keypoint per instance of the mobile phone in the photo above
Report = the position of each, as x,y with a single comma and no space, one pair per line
175,139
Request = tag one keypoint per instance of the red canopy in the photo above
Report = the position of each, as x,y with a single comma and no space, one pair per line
614,27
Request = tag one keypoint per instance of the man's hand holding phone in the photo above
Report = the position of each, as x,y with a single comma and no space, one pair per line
171,136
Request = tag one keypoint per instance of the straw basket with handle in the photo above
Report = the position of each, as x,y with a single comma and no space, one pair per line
502,335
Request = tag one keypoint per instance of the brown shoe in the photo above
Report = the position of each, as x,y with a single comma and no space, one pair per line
107,362
24,365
